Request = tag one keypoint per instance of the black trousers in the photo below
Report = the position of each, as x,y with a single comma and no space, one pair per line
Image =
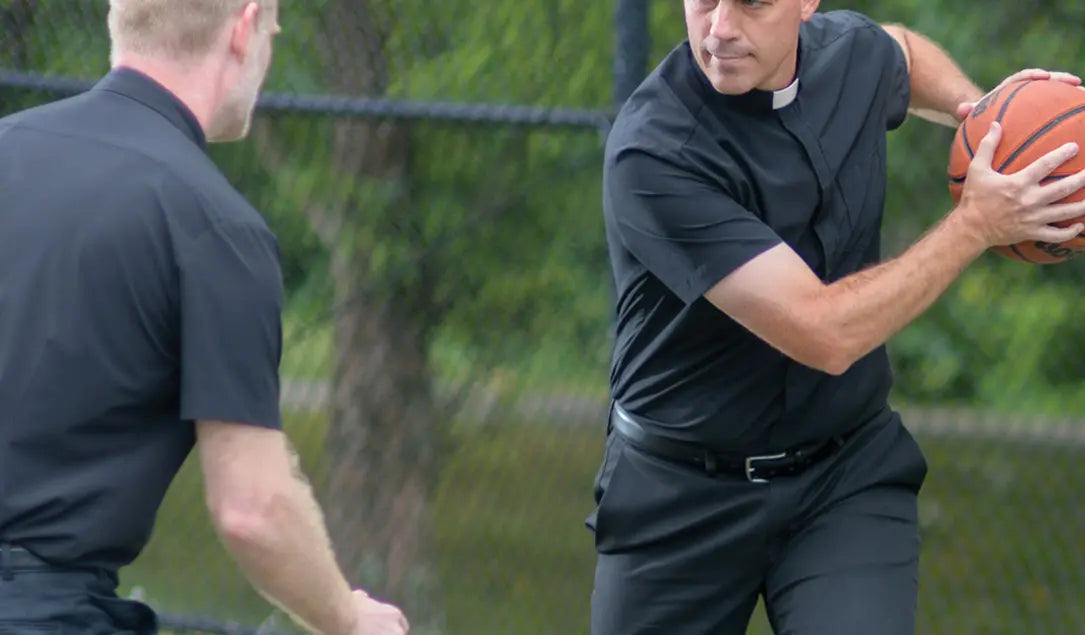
833,550
38,599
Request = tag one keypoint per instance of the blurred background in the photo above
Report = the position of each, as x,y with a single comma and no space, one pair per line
432,171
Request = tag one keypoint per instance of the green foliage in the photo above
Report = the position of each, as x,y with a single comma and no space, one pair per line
530,282
508,217
500,229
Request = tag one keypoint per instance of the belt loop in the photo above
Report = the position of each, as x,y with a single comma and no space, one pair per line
710,463
6,571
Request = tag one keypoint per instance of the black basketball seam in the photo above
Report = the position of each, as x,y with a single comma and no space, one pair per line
1023,256
1006,104
964,136
1039,133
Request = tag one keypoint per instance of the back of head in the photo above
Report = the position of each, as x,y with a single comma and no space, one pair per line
179,30
212,54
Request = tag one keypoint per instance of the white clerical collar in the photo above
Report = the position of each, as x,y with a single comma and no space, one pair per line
785,96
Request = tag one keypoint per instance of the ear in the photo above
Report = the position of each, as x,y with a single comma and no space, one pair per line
244,29
809,7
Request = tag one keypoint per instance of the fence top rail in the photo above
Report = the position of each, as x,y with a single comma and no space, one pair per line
345,106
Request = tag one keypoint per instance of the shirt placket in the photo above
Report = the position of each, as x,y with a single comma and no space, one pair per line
800,381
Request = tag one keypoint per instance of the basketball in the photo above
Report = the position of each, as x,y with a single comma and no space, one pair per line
1037,116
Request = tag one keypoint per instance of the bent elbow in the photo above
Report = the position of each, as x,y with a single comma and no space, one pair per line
830,354
836,365
245,520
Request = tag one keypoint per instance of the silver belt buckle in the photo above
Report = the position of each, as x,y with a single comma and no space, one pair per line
764,457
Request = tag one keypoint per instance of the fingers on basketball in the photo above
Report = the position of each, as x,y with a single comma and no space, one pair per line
1038,124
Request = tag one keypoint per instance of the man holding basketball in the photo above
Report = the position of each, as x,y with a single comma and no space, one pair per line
751,448
140,301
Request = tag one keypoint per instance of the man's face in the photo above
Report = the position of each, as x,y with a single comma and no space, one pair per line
743,45
234,117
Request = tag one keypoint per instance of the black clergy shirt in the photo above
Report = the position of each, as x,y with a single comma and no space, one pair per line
697,183
139,292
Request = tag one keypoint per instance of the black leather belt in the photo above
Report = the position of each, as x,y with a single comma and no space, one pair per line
16,560
756,469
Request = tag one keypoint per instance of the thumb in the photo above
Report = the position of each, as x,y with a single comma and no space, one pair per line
985,153
965,109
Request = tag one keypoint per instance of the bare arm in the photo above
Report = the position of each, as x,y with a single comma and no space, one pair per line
938,85
829,327
270,523
940,91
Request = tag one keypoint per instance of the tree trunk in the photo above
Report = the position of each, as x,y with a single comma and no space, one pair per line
15,20
381,445
380,448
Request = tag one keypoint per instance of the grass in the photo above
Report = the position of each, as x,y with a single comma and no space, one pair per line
1003,530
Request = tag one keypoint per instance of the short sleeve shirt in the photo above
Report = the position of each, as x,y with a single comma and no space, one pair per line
697,183
139,292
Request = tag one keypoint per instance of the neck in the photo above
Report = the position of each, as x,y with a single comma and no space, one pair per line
784,74
188,83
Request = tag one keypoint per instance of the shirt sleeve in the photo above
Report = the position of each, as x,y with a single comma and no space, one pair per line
898,87
231,299
685,231
885,58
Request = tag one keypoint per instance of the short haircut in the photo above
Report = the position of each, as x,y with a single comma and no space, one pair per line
177,29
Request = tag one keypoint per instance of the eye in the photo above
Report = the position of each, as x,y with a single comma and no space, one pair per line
754,4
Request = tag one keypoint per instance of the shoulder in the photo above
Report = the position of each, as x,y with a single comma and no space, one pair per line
203,205
150,182
660,114
843,30
848,48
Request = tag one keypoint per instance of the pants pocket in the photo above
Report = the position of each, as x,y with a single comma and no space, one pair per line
604,479
128,616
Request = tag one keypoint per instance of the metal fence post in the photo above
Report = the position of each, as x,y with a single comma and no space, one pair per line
631,43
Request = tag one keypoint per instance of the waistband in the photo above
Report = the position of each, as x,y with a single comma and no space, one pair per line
754,468
15,560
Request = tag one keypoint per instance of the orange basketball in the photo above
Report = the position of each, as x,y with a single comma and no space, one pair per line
1037,116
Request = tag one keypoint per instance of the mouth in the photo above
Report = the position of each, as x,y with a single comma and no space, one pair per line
726,60
726,57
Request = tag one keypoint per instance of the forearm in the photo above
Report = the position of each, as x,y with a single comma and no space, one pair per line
868,308
938,85
289,560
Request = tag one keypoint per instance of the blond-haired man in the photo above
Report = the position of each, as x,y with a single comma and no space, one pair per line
140,300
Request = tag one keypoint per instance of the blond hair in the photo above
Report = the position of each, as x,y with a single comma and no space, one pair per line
178,29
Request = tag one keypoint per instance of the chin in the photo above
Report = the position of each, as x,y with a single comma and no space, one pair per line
233,129
730,85
224,136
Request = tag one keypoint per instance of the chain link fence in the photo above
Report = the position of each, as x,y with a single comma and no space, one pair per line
433,173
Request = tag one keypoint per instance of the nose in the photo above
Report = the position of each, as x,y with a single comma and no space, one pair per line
724,21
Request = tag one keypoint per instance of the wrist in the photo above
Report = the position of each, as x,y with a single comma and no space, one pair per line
965,235
346,612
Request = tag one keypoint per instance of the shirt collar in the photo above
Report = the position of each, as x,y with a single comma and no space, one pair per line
785,96
139,87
